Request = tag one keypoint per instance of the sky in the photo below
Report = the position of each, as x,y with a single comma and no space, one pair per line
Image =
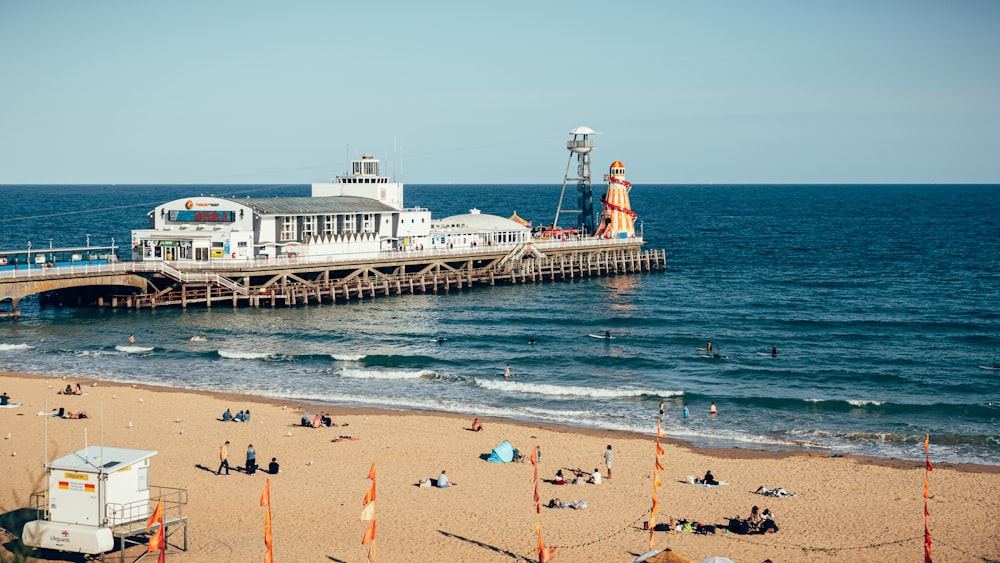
682,92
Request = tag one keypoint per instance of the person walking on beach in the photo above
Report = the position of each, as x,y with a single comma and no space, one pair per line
712,410
609,456
686,413
224,459
251,466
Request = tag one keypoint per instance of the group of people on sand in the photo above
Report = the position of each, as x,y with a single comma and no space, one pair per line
242,416
250,467
580,477
63,413
442,481
757,523
321,420
71,390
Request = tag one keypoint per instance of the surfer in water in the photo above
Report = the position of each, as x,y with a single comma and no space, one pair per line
532,340
607,333
506,373
774,350
131,340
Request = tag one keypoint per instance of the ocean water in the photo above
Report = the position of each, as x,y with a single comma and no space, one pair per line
882,301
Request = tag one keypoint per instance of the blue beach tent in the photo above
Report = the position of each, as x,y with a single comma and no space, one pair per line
503,453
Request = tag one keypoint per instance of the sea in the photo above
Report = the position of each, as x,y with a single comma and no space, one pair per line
882,302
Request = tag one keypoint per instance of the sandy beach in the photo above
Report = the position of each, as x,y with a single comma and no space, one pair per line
843,509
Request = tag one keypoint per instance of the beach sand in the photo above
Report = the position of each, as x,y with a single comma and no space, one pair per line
844,508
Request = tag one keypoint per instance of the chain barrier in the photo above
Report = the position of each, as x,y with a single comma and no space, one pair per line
633,524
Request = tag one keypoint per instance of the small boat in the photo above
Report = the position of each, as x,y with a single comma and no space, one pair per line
994,367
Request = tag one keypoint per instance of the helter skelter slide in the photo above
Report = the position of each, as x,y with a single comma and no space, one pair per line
617,218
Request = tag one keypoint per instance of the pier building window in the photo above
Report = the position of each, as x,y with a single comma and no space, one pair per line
329,225
288,228
308,225
367,223
349,223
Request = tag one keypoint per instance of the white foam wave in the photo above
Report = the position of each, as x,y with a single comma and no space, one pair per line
348,357
864,403
134,349
12,347
383,373
234,355
572,391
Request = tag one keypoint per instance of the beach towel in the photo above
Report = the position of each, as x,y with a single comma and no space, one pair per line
503,453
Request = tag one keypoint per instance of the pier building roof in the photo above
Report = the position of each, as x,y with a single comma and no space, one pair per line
305,205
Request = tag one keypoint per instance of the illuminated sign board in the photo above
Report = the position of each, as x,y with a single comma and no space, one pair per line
187,216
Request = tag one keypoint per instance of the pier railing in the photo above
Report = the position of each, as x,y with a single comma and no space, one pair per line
181,269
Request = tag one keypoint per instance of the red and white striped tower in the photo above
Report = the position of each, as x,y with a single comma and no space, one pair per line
617,217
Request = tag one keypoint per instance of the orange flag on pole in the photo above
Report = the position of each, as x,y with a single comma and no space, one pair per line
659,431
369,534
927,513
158,540
369,514
265,500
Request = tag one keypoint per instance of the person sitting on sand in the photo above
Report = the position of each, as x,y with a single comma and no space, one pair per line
227,416
4,399
559,480
325,420
246,415
238,417
67,391
476,425
754,519
767,525
443,482
273,467
595,477
580,479
708,479
77,390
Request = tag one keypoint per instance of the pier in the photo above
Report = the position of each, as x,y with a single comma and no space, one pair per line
301,281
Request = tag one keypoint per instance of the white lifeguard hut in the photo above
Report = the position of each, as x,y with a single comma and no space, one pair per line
95,495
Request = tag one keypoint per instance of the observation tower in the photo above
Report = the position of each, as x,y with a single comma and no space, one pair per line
580,146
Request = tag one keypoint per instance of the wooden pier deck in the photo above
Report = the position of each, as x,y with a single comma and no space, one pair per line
300,282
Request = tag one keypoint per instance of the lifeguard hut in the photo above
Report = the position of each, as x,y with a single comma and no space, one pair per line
98,494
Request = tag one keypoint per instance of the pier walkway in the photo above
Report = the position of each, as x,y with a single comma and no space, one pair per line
297,281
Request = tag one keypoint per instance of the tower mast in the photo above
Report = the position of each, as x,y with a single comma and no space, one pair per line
580,146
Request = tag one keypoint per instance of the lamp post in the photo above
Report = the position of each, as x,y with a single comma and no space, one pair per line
29,255
112,257
88,240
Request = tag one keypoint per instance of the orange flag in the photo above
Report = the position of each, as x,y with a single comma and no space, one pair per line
370,495
369,534
659,448
659,431
659,466
156,541
656,480
265,500
371,472
545,554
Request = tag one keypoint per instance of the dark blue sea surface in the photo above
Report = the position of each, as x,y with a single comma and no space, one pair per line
882,301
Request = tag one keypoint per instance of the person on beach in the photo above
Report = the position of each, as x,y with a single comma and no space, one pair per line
609,456
223,459
754,519
661,408
4,399
443,482
712,410
709,479
476,425
246,415
227,416
686,413
251,466
238,417
559,480
273,467
595,477
506,373
67,391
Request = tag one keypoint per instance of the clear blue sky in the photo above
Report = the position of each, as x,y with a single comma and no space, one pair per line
727,91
